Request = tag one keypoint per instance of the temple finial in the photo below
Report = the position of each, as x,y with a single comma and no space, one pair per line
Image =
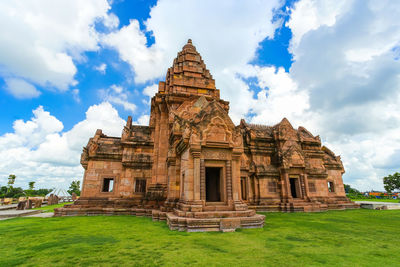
189,41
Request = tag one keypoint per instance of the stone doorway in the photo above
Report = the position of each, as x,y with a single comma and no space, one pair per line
213,184
294,187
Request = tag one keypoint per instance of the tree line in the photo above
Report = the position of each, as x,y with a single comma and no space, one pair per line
9,191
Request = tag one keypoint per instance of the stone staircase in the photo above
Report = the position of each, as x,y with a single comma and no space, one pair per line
303,205
105,206
214,218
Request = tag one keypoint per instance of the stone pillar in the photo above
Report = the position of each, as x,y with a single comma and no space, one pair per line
247,179
302,186
178,177
235,169
156,144
196,176
162,147
287,184
182,179
172,188
306,189
83,192
202,180
229,180
256,190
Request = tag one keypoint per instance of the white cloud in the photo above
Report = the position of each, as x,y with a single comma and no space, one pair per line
279,97
117,95
309,15
40,40
131,45
21,89
39,151
150,90
345,61
101,68
143,120
75,95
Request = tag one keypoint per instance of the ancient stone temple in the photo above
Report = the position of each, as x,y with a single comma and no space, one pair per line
193,167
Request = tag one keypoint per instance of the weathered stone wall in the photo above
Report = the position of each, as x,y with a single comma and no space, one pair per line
96,172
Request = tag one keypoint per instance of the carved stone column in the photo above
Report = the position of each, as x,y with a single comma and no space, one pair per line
306,189
196,175
202,180
302,186
172,188
235,176
229,179
288,194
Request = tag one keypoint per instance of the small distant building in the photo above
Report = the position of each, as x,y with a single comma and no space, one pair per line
195,168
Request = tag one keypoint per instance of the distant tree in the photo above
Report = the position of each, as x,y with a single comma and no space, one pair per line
11,180
42,192
3,191
31,185
349,190
14,192
75,187
392,182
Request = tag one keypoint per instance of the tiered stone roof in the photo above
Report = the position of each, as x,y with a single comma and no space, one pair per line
189,75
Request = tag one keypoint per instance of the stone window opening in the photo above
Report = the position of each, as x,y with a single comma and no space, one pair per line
108,184
331,187
140,186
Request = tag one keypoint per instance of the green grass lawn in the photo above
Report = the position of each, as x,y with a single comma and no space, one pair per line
375,199
52,207
334,238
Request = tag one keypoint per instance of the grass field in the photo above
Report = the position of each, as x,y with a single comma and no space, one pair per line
376,199
334,238
52,207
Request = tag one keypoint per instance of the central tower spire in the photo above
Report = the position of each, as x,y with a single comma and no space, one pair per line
189,75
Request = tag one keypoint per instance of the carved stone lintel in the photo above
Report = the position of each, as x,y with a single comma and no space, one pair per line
216,154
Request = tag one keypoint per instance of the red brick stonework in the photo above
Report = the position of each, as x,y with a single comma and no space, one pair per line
197,170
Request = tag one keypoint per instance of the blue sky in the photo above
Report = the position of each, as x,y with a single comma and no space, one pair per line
70,67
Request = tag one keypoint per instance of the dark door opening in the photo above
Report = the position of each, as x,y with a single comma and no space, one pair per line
293,187
213,184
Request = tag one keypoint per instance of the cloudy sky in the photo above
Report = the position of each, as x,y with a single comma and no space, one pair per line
69,67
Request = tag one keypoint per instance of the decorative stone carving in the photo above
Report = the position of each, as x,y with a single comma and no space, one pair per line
216,154
217,131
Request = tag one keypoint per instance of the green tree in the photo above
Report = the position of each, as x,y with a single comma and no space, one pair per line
392,182
43,192
15,192
3,191
11,180
31,185
75,187
349,190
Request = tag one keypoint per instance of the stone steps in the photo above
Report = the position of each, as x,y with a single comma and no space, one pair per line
217,208
213,214
213,224
91,211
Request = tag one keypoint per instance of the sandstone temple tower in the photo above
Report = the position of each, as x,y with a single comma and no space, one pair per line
197,170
